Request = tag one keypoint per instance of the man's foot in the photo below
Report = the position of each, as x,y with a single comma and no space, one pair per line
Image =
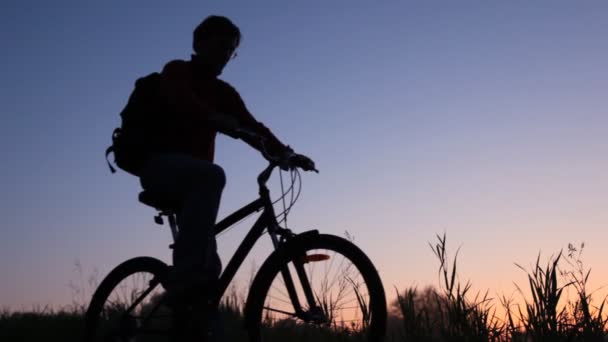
197,322
186,287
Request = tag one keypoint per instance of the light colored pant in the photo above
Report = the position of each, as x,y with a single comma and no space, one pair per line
198,185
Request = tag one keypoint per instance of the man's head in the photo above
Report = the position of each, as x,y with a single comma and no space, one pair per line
215,41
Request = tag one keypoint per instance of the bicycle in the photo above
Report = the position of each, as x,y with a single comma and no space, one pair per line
346,297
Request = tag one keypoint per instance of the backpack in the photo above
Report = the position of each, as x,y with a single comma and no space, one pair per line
140,122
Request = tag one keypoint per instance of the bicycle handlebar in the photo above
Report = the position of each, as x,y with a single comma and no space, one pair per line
265,175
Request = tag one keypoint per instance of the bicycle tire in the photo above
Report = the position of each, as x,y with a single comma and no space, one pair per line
93,316
308,243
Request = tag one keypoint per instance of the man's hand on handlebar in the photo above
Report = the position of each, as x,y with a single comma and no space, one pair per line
294,160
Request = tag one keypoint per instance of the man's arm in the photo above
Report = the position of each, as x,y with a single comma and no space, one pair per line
246,121
269,144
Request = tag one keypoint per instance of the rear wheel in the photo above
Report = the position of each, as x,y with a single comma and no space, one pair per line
348,298
126,305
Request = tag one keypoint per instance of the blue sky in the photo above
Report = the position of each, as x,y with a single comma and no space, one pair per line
482,119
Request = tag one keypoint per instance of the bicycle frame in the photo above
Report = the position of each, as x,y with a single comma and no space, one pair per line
267,220
256,231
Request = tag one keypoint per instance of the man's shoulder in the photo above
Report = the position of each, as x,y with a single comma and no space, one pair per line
176,66
226,87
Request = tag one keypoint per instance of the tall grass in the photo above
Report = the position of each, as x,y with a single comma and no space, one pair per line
589,320
451,313
447,313
543,319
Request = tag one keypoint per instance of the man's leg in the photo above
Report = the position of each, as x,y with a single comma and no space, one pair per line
196,248
198,184
195,254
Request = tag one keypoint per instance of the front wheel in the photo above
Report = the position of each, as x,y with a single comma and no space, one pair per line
346,300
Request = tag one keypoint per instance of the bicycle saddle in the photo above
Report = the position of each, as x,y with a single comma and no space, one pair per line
160,201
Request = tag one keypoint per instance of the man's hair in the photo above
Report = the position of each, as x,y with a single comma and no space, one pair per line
215,25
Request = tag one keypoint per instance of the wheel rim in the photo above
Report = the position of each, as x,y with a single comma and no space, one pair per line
341,295
132,311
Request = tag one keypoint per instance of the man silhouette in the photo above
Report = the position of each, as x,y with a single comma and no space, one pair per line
181,166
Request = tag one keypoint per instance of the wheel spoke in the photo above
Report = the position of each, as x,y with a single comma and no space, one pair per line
280,311
280,292
280,300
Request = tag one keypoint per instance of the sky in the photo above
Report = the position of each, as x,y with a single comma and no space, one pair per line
483,120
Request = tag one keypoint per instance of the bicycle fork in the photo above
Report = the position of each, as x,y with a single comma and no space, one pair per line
314,313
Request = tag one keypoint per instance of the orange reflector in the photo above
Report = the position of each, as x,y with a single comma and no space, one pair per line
316,257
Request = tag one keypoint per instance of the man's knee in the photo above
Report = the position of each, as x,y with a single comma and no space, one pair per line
217,176
207,177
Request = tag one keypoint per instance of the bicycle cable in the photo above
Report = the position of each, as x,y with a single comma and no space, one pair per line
295,175
284,194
